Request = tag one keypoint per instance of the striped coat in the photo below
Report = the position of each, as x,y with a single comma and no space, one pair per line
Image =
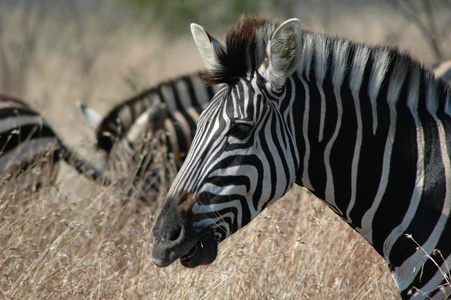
30,150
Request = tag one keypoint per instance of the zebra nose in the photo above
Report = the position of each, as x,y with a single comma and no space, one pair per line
169,234
169,228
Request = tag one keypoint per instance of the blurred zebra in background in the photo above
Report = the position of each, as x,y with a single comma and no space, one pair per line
443,70
29,148
132,140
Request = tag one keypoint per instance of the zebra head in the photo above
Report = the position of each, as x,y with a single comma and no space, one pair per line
243,155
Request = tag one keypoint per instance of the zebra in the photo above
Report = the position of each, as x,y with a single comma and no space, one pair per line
364,128
125,134
443,69
29,146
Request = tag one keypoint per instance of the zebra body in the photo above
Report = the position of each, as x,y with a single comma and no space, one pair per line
124,134
29,146
364,128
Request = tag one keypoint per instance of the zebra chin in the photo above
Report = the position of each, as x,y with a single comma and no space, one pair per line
204,252
175,237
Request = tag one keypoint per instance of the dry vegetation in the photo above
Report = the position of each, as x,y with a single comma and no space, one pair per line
79,240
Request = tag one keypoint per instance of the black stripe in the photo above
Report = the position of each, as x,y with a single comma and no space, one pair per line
182,109
343,150
9,140
371,158
298,109
16,112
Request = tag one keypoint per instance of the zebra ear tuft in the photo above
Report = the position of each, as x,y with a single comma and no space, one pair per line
207,46
283,53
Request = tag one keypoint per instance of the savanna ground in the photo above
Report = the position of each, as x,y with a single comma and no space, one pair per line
79,240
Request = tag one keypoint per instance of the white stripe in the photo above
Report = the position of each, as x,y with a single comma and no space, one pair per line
216,207
169,126
305,68
380,65
192,112
27,151
289,115
168,97
330,189
412,103
219,222
20,121
323,110
268,185
305,176
321,55
357,70
184,125
338,75
397,79
183,93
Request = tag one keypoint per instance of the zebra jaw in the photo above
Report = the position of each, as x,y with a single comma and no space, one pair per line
204,252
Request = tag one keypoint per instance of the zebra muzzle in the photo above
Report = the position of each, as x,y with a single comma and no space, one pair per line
175,237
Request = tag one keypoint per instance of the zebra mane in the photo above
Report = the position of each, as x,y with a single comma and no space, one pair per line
384,67
331,57
244,50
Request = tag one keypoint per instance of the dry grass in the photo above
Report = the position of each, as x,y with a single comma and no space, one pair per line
56,244
79,240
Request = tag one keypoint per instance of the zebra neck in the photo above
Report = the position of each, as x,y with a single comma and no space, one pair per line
372,120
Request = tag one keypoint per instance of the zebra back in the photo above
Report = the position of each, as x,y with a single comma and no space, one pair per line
185,98
29,146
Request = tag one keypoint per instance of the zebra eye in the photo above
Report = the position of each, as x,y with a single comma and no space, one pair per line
240,130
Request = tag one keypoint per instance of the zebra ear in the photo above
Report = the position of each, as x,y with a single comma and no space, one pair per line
283,53
207,46
91,117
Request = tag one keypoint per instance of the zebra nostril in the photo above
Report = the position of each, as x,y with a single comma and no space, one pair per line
175,234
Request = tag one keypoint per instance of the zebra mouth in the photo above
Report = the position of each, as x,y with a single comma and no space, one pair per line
203,253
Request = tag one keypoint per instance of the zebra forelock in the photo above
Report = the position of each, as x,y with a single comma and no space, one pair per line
244,49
